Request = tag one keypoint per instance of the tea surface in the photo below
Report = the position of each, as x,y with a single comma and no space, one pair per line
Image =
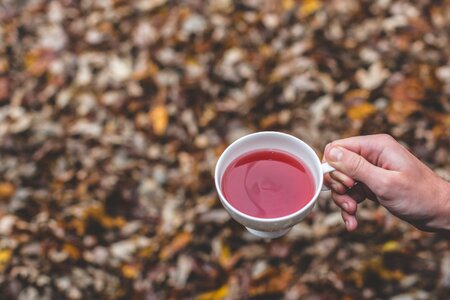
267,184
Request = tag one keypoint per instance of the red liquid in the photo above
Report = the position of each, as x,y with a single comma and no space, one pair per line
267,184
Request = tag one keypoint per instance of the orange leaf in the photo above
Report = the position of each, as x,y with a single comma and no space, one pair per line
269,121
6,190
72,251
37,61
159,118
130,271
409,89
179,242
361,111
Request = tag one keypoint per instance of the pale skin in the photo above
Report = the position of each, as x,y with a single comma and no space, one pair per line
379,168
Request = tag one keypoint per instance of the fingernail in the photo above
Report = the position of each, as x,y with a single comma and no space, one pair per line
347,223
335,154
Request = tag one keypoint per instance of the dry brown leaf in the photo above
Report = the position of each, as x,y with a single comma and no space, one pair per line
398,111
269,121
376,265
409,89
179,242
356,96
4,88
273,281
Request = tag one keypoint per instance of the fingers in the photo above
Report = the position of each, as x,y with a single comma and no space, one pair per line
355,166
348,206
345,202
348,203
368,146
342,178
350,221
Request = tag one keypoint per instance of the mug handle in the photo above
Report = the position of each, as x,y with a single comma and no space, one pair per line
326,168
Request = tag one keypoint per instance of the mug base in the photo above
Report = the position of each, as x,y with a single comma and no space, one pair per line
268,234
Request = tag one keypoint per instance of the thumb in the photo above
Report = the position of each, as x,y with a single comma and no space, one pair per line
355,166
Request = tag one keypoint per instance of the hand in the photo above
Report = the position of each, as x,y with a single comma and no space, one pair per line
379,168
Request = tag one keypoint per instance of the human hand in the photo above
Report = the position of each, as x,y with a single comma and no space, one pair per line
379,168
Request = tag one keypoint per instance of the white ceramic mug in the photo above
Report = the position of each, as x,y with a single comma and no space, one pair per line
271,227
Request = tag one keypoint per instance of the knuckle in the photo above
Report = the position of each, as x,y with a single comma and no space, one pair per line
356,165
386,138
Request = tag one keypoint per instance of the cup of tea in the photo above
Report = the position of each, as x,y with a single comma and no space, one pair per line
269,181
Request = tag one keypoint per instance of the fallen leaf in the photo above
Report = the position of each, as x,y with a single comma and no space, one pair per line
159,118
409,89
72,251
4,88
37,61
7,189
218,294
5,257
372,78
273,281
179,242
390,246
308,7
361,111
130,271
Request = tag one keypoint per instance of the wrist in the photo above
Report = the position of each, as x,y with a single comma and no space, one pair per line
443,209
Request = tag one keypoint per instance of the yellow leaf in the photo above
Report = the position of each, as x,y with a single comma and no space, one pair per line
309,7
5,255
146,252
159,118
98,213
6,190
225,255
361,111
71,250
130,271
219,294
390,246
178,243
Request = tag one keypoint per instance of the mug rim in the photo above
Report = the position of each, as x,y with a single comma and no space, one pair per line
310,203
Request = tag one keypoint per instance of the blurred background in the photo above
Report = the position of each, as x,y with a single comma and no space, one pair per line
113,114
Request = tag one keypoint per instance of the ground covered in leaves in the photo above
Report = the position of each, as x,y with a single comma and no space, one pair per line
113,114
